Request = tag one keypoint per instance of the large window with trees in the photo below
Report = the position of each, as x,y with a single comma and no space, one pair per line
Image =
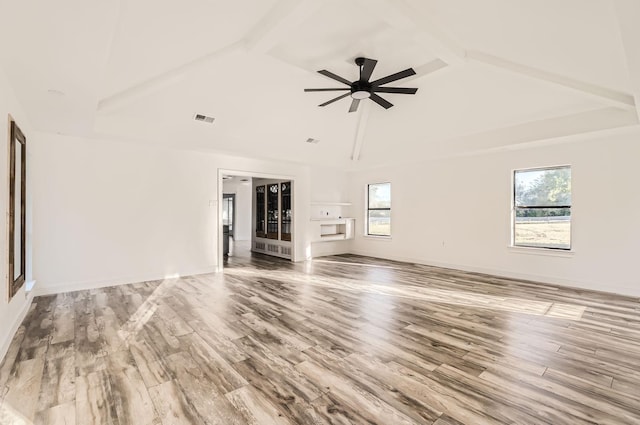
542,208
379,209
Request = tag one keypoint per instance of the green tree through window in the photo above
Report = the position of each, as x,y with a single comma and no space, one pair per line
379,209
542,204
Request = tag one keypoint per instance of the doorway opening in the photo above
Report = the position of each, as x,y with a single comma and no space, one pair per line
256,217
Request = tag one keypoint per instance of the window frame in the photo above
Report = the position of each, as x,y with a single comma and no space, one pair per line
515,207
368,208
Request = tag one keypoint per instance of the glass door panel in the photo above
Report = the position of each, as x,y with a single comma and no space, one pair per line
285,207
261,230
272,211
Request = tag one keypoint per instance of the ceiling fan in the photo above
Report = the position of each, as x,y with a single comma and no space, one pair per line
362,88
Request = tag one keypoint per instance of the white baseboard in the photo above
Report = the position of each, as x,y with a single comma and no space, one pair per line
574,284
323,249
8,337
43,289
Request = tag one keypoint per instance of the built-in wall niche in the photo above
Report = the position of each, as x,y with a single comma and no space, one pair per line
333,229
273,213
330,221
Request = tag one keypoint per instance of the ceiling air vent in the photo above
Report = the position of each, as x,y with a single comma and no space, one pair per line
203,118
312,140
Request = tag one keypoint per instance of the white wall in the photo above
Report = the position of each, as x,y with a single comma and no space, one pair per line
456,213
110,212
243,192
12,312
329,186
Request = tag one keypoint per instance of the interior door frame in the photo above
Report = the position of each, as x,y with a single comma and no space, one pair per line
244,173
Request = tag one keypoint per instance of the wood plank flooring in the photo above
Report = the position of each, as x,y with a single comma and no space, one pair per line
339,340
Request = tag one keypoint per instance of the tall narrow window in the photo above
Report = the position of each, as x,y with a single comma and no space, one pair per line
379,209
272,211
285,207
17,209
542,208
260,212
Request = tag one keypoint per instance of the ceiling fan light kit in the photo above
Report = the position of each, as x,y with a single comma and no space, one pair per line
362,88
361,94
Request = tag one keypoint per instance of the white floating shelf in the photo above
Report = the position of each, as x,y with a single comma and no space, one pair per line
333,220
334,237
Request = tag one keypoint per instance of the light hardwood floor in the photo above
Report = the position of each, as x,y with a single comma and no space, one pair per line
342,340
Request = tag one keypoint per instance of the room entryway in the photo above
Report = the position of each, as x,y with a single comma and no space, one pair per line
256,216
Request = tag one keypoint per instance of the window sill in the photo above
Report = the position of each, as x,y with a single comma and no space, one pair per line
383,238
29,285
541,251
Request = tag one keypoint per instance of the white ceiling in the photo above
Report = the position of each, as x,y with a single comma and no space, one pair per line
491,73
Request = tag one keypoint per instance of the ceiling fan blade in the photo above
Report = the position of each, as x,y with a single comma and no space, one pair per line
354,105
393,77
380,101
334,99
367,69
334,76
346,88
400,90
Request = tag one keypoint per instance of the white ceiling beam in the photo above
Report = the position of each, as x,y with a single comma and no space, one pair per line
546,131
401,15
365,106
365,112
603,94
278,23
628,15
160,81
426,69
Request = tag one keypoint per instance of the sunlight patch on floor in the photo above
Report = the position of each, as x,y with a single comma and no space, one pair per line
377,266
478,300
144,312
10,416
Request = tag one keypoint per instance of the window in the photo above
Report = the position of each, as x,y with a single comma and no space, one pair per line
379,209
542,208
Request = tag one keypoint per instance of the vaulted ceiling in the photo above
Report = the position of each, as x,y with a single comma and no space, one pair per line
492,74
